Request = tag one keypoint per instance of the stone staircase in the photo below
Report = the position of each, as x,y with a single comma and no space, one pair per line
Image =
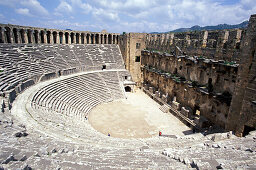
164,108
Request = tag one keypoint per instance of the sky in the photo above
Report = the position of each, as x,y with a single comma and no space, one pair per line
124,15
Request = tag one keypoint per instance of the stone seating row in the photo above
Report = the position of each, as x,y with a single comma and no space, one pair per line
20,63
76,96
238,154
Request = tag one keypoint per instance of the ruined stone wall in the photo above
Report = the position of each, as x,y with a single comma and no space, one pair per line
242,114
197,83
131,45
213,71
218,45
198,70
22,34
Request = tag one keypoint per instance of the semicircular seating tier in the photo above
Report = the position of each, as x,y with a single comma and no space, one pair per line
22,65
76,96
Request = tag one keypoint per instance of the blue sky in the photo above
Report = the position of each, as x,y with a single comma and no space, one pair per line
124,15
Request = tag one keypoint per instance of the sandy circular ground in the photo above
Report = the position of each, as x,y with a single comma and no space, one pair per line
138,116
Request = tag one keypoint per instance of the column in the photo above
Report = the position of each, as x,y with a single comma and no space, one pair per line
26,36
205,37
58,38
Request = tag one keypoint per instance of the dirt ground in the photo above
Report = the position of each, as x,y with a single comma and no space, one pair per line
138,116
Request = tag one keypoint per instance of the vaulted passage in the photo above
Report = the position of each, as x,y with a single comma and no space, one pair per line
77,38
61,37
29,32
92,39
109,39
88,39
1,35
36,36
8,34
82,38
15,34
42,36
72,37
54,37
48,37
66,37
128,89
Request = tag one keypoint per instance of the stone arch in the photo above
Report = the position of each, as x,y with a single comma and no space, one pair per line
82,38
101,39
7,35
77,38
36,36
15,34
61,37
29,34
97,39
72,37
54,35
22,36
87,38
109,39
105,39
66,37
117,39
42,36
114,39
1,35
48,36
92,38
127,89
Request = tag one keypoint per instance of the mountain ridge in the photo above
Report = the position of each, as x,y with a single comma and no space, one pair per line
199,28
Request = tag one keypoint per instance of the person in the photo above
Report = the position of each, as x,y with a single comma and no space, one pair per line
160,133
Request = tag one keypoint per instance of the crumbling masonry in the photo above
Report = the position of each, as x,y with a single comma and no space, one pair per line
208,76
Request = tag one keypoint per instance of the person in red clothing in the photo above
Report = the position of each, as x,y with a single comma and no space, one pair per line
160,133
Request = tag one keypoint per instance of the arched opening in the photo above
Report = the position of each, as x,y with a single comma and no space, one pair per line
61,37
22,36
238,45
77,38
36,36
7,34
92,38
88,39
16,37
72,37
105,39
175,71
42,36
82,38
117,39
97,39
101,38
48,37
1,35
114,39
54,34
128,89
109,39
210,86
66,37
59,73
247,130
29,32
104,67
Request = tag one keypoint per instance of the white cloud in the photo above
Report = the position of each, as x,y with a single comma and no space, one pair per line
23,11
35,7
10,3
102,15
63,7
